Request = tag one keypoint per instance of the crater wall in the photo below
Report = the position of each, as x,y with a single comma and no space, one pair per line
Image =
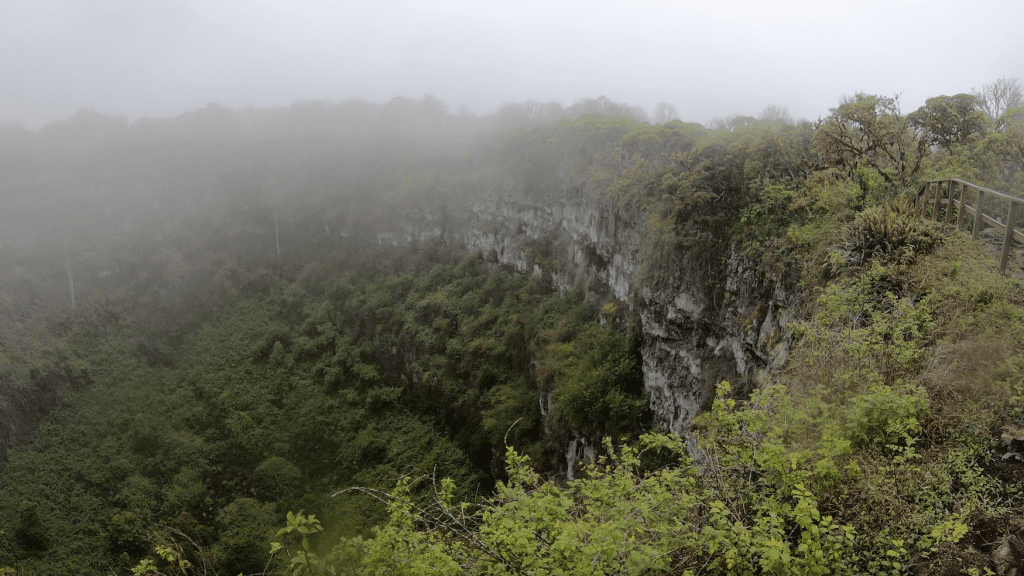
694,335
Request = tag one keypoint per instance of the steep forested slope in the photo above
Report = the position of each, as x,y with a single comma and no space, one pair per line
274,307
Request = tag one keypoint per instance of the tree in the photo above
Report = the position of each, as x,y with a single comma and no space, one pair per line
776,149
597,383
775,114
1008,146
950,121
1003,102
602,106
732,123
529,113
995,99
665,113
868,130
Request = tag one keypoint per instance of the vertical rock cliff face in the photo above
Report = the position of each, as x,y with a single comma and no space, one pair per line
694,335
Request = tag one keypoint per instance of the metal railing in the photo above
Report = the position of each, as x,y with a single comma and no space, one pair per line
950,200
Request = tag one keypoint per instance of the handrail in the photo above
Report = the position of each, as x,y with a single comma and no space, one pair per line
950,200
976,187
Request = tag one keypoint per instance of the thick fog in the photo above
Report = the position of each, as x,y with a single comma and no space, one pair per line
708,59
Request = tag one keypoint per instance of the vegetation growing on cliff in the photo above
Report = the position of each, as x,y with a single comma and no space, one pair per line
240,388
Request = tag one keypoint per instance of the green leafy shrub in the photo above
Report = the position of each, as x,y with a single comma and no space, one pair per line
126,534
30,531
893,232
245,526
886,416
624,517
276,477
597,382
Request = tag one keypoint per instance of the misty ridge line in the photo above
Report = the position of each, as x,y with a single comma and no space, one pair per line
354,145
95,180
78,189
311,114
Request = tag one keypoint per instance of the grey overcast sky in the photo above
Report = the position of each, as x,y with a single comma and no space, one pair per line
709,59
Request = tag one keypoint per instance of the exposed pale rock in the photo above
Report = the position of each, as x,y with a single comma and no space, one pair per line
688,304
579,449
1009,556
689,344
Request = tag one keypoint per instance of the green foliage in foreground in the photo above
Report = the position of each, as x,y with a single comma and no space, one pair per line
748,506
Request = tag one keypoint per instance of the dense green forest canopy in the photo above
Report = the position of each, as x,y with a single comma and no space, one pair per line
248,368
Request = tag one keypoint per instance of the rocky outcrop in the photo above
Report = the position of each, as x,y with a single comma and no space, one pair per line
694,335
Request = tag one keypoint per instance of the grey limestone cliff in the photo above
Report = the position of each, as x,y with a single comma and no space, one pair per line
694,334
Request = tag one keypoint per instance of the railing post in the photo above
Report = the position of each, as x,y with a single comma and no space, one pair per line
938,196
1008,237
960,209
922,199
978,215
948,216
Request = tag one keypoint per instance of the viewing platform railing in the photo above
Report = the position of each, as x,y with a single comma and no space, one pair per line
950,200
